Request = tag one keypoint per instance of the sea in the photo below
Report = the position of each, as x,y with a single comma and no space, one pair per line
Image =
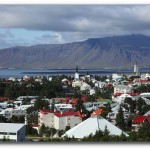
16,73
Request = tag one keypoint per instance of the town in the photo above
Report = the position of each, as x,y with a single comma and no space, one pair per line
77,108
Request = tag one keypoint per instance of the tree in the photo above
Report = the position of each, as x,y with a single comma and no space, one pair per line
60,132
140,103
40,104
67,128
120,122
42,130
106,131
30,130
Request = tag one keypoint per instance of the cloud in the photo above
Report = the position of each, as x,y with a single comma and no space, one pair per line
74,18
49,39
76,22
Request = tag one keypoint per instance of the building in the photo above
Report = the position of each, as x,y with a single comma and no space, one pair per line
90,126
12,131
84,86
122,89
58,120
9,112
21,98
136,69
63,107
139,120
77,73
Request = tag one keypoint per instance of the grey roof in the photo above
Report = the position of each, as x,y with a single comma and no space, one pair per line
91,125
146,114
10,127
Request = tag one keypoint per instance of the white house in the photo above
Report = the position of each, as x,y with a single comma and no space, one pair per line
84,86
92,91
76,83
112,115
9,112
120,99
12,131
24,107
45,117
70,118
116,77
90,126
3,105
122,89
21,98
58,120
63,107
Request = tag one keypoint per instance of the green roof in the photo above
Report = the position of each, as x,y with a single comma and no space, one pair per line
104,100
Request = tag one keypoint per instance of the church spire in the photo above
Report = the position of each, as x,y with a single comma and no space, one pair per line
77,69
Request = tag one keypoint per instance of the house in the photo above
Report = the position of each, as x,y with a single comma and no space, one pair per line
84,86
70,118
9,112
21,98
114,111
92,91
12,131
100,84
76,83
139,120
63,107
4,99
58,120
3,105
45,117
90,126
24,107
122,89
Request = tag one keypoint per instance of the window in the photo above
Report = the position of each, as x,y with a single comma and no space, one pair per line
12,133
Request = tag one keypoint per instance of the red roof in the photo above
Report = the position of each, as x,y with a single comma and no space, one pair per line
139,119
46,111
34,125
4,99
68,113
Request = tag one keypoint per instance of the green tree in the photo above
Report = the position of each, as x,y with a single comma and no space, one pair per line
120,122
67,128
30,130
140,104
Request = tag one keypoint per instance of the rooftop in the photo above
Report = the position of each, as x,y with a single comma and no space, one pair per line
10,127
139,119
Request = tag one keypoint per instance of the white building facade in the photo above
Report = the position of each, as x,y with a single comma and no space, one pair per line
12,131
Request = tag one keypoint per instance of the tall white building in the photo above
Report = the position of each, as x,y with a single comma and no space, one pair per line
136,69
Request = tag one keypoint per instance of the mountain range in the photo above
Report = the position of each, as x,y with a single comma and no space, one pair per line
108,52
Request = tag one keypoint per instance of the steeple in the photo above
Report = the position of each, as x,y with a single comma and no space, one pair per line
77,73
76,68
136,69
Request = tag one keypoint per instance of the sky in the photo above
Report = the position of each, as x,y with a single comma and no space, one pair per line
25,25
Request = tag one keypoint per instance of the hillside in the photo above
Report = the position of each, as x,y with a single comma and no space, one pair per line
117,51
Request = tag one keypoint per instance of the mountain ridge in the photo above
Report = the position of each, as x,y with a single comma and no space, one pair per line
107,52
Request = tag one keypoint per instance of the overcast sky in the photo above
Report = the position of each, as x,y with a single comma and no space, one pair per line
47,24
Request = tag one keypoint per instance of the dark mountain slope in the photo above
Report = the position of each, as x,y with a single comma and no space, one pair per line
117,51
